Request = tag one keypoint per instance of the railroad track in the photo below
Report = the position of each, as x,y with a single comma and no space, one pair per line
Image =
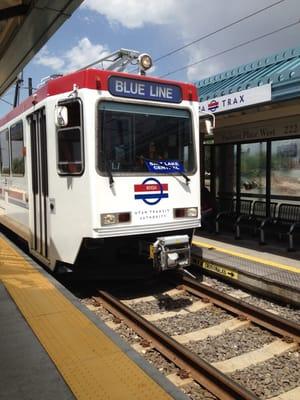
218,377
288,329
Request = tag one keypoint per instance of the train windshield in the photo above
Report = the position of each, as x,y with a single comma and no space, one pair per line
130,134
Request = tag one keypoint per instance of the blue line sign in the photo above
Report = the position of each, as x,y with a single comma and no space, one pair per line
146,90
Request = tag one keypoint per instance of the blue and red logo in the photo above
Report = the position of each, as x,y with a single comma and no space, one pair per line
213,105
151,191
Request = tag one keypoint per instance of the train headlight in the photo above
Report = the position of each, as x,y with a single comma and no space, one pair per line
115,218
145,61
189,212
108,219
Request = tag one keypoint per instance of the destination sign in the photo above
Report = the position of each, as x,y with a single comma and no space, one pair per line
166,166
146,90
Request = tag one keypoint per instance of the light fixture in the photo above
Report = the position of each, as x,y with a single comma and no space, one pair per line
210,124
188,212
145,62
115,218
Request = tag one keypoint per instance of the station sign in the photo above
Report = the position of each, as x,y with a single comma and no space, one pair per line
244,98
219,269
260,130
145,90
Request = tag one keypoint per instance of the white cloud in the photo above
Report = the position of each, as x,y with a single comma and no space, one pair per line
82,54
183,21
88,20
45,59
187,20
79,56
135,13
197,18
202,68
198,70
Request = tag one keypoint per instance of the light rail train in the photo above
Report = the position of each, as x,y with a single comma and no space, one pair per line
103,165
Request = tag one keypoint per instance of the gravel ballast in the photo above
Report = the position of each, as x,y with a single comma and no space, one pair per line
268,379
159,362
164,303
197,392
271,378
231,344
288,312
181,324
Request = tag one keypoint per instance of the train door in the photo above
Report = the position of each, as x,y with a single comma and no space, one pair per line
4,168
39,167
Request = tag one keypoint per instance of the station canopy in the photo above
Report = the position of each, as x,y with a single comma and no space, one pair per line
281,70
25,26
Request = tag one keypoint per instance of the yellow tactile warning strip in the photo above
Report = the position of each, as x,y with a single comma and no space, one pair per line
247,257
92,365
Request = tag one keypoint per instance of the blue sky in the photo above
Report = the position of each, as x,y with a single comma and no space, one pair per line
99,27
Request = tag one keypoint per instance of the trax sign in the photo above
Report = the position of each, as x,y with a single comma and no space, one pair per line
243,98
146,90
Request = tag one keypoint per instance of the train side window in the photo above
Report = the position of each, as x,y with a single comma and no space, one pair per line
70,142
4,153
17,149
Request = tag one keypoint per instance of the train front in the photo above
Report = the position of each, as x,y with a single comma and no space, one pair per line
147,158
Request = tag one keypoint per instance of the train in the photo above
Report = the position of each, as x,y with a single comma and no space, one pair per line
100,167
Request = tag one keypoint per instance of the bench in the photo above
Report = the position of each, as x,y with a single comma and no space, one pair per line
235,210
286,223
255,219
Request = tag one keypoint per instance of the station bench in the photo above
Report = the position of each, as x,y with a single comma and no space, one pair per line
253,221
235,210
287,223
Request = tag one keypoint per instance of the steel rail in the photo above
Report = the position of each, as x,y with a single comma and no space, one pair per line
205,374
272,322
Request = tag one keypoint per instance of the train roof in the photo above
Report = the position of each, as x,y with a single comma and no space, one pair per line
90,79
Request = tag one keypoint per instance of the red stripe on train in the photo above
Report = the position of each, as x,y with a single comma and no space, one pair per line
150,188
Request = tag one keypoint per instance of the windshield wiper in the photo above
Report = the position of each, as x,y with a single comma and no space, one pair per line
187,179
110,175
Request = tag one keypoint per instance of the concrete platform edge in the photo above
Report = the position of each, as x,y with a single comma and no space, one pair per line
160,379
25,365
259,284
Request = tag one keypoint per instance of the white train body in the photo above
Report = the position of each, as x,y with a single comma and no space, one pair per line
102,162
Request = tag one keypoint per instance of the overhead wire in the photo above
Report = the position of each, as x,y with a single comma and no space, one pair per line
211,34
216,31
6,94
231,48
5,101
10,93
219,30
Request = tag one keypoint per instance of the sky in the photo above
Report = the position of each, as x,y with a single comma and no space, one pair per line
99,27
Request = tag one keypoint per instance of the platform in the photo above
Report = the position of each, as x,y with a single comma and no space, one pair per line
270,270
53,347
